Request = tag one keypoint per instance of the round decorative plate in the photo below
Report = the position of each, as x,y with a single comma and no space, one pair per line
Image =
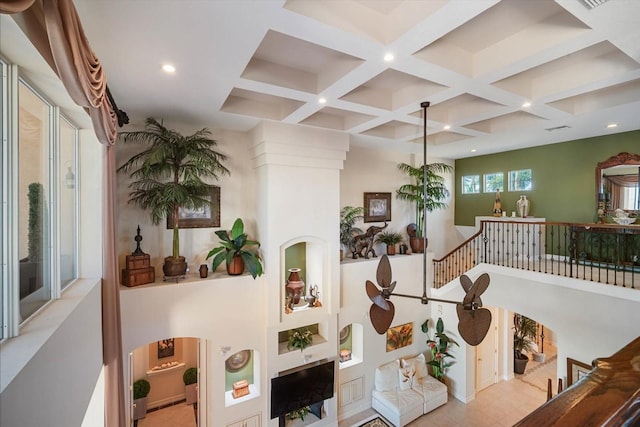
344,334
237,361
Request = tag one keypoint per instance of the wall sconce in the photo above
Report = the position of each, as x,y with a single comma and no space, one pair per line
70,177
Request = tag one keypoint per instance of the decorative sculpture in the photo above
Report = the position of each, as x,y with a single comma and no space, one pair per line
362,244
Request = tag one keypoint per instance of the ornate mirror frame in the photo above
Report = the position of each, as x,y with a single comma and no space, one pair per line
628,159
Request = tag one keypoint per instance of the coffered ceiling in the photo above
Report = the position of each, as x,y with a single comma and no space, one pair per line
480,63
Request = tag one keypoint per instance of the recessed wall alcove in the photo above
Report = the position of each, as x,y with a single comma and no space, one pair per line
351,338
309,255
243,365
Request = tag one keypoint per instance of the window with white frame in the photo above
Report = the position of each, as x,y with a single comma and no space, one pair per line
520,180
493,182
471,184
39,233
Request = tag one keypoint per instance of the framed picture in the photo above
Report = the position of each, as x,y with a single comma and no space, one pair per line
206,217
576,370
165,348
377,207
399,336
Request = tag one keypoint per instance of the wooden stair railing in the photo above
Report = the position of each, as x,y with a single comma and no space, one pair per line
607,396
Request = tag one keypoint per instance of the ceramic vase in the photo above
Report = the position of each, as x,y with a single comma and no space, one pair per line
522,206
294,287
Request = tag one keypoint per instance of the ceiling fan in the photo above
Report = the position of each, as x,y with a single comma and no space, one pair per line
473,320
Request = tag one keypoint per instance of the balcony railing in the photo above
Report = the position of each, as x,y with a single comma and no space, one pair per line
604,253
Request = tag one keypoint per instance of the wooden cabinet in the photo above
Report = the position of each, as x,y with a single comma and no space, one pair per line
351,391
252,421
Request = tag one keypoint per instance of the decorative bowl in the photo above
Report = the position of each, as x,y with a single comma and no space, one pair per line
624,220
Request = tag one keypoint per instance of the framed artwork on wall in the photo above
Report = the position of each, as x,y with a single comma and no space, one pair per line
399,336
166,348
205,217
377,207
575,371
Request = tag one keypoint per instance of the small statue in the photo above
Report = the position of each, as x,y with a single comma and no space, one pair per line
313,296
497,205
362,244
138,239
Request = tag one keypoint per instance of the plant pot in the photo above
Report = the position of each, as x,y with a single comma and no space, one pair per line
520,363
236,266
191,393
391,249
174,266
140,408
539,357
417,244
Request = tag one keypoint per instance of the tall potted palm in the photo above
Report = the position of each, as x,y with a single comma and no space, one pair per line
167,175
415,192
524,333
348,217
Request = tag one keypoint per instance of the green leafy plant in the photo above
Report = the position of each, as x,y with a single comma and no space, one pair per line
436,191
299,338
190,376
236,243
525,331
168,174
439,346
348,217
389,237
141,389
299,413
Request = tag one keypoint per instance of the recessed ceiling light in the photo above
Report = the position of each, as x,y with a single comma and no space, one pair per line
526,104
473,150
168,68
612,125
447,127
388,57
322,100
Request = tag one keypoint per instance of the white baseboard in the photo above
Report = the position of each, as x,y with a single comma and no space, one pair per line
166,401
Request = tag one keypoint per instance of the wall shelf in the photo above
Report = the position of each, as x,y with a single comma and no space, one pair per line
163,370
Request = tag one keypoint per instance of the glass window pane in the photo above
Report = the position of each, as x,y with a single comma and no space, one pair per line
3,165
33,198
493,182
470,184
520,180
68,220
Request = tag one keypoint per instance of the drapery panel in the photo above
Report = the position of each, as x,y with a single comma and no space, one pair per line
55,30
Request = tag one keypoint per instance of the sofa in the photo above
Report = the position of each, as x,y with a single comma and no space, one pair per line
403,390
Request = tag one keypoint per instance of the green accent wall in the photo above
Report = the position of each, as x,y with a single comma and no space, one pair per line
563,178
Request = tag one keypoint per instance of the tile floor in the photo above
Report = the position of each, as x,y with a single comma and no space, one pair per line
500,405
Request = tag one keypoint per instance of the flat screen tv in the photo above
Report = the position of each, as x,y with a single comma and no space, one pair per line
301,388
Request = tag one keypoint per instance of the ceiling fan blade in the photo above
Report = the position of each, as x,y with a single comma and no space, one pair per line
466,283
391,287
477,288
383,274
473,325
381,319
376,296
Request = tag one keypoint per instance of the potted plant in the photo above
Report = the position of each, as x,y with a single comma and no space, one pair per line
234,249
299,413
31,267
439,347
190,379
391,239
299,338
141,389
167,176
525,331
435,192
348,217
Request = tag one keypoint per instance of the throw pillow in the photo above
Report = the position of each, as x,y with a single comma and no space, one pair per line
420,364
386,376
405,377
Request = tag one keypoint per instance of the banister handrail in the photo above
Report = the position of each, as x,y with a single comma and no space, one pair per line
607,253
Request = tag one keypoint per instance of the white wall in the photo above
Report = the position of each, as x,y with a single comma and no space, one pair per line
589,320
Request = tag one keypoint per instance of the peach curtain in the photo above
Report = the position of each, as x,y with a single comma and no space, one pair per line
55,30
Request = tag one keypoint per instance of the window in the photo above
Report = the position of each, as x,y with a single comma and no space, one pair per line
493,182
520,180
470,184
34,201
38,214
67,166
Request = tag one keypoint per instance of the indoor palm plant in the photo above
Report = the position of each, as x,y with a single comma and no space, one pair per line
415,192
167,175
348,217
524,333
389,238
234,249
